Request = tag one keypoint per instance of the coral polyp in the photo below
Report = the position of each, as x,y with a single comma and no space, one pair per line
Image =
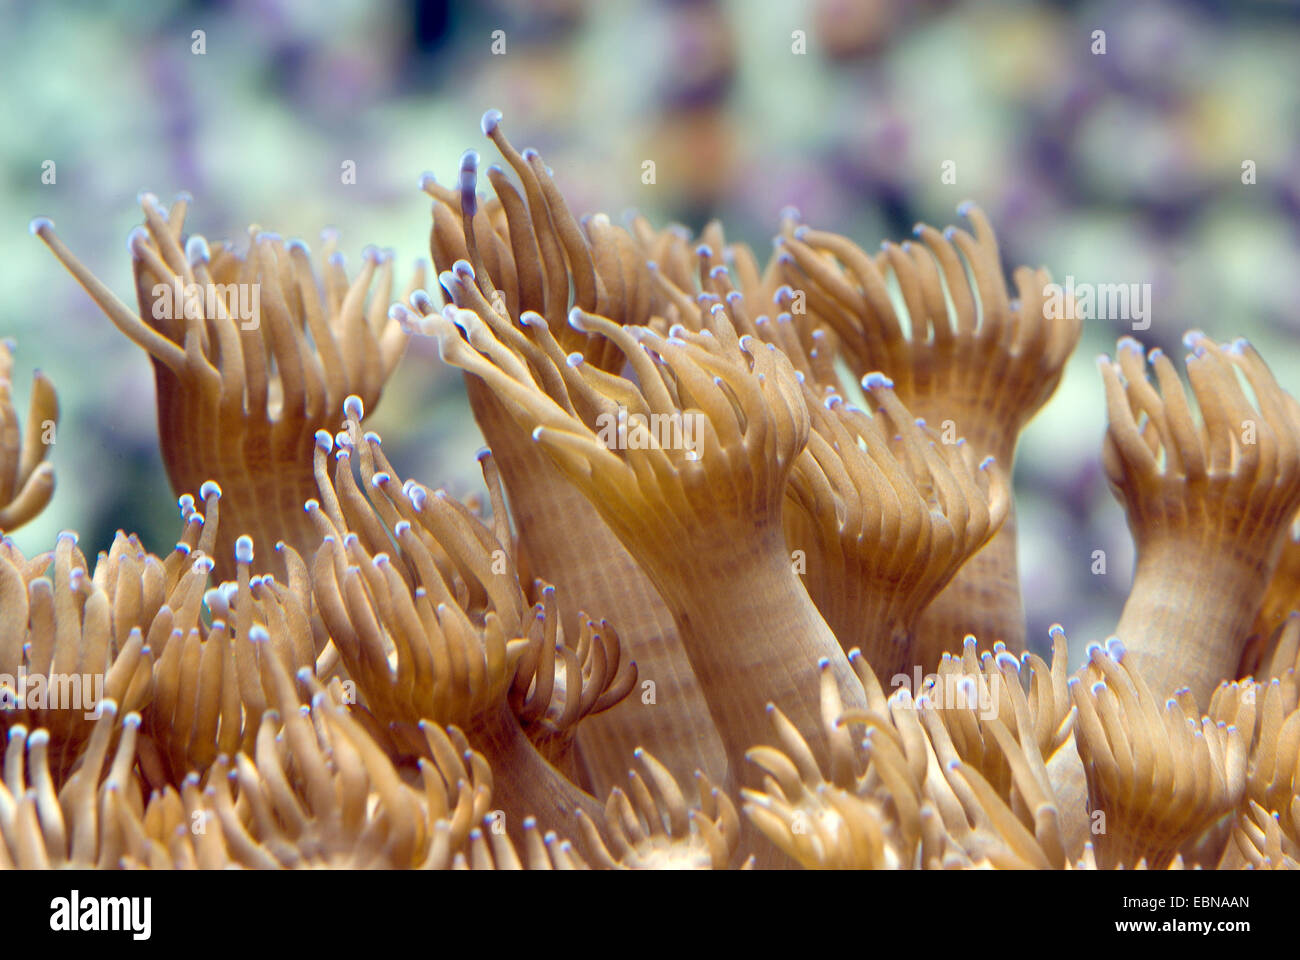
742,592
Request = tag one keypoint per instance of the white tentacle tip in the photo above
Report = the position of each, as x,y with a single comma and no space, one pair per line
197,251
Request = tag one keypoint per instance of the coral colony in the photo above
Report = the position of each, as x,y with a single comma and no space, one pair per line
743,592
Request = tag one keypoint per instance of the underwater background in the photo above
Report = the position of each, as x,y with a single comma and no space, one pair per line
1118,167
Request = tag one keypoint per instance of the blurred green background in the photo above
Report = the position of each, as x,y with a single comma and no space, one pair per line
1115,168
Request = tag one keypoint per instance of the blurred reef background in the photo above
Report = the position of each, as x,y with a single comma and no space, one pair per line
1122,167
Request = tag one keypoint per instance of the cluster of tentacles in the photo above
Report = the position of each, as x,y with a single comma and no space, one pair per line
747,524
